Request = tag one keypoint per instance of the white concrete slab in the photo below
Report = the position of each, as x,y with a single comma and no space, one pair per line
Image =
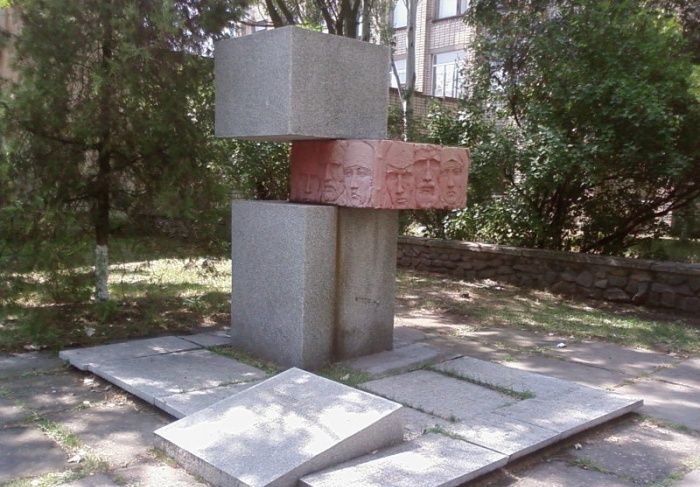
163,375
186,403
209,339
84,358
432,460
277,431
399,359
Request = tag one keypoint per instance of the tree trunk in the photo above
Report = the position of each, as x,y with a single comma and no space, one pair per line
407,101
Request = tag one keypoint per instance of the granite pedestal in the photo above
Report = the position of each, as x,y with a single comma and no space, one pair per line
283,271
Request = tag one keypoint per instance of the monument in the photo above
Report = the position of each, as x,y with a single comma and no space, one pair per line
313,278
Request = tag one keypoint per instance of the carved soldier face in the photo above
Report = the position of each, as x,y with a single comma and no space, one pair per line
399,175
358,173
305,156
452,176
426,172
332,178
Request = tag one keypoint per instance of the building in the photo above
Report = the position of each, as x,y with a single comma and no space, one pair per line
9,26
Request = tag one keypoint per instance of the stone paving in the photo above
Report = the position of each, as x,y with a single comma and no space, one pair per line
64,425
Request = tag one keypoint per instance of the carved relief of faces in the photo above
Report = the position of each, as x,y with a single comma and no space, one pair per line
332,176
398,160
358,173
452,176
305,157
426,173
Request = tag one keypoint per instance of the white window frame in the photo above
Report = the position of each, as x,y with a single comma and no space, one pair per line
460,7
448,76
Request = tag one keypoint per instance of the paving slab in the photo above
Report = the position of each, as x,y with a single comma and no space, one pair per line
56,392
690,480
209,339
151,473
399,359
687,373
279,430
99,480
24,363
470,347
432,460
119,434
181,405
663,400
642,452
571,412
27,452
167,374
84,358
404,335
562,474
632,362
10,413
563,369
437,394
498,375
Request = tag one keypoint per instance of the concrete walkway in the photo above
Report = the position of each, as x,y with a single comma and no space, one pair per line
62,426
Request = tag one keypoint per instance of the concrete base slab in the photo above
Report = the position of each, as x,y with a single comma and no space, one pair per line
572,412
84,358
432,460
173,373
437,394
181,405
669,402
686,373
280,430
209,339
497,375
400,359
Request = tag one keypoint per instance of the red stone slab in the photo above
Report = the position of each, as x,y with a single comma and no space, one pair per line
380,174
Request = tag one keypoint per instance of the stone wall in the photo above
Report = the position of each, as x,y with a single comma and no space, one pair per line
660,284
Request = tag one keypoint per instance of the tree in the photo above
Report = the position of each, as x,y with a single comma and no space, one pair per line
581,123
113,104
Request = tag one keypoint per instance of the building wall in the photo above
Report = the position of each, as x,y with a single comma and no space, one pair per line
652,283
9,23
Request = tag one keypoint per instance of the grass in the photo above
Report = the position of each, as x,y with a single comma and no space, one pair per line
161,286
345,375
519,395
270,368
487,303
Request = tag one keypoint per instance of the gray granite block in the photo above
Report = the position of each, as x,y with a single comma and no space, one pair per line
367,243
186,403
283,266
571,412
209,339
398,360
437,394
292,84
280,430
432,460
164,375
506,377
84,358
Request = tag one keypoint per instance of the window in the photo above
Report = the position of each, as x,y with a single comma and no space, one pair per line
401,70
400,15
447,74
451,8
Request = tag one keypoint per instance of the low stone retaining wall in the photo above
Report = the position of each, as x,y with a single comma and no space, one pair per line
661,284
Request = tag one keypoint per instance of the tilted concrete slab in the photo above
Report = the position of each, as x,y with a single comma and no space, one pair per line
437,394
186,403
432,460
504,377
167,374
84,358
275,432
571,412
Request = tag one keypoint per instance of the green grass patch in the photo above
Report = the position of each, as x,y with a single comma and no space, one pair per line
270,368
519,395
486,303
345,375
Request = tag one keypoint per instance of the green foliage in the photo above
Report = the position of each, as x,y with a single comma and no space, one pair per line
581,123
260,169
